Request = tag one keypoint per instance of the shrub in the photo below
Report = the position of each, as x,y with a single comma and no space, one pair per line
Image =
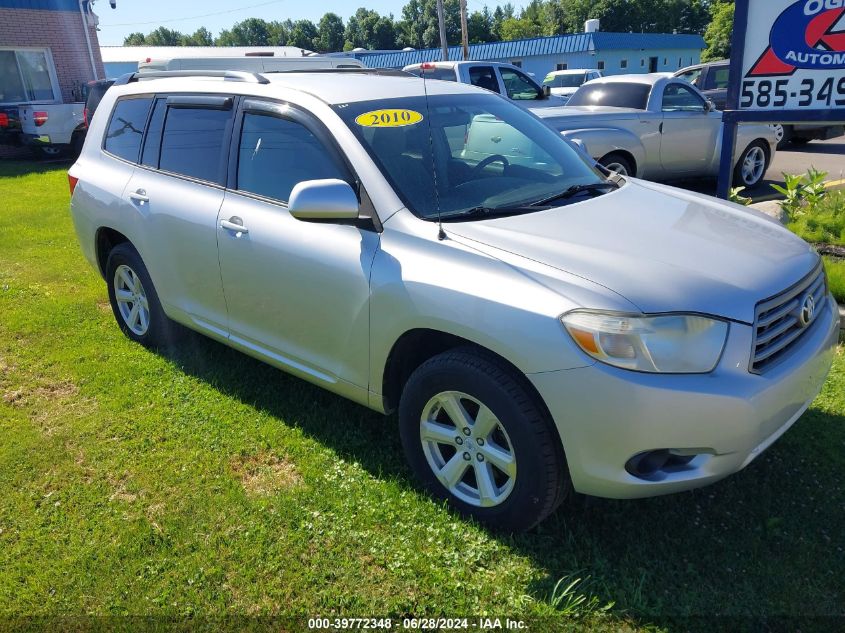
822,221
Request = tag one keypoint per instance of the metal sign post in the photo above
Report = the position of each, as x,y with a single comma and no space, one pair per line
787,66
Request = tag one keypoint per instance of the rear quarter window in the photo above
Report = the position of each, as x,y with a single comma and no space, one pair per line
614,95
126,127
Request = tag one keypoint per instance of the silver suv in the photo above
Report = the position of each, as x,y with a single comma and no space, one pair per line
538,326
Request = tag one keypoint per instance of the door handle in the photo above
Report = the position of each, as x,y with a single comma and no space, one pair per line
139,195
233,226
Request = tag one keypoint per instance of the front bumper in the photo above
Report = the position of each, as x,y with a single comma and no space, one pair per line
606,416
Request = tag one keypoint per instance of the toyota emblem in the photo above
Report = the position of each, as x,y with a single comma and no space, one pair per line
808,311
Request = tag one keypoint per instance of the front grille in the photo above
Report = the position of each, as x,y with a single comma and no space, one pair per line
780,322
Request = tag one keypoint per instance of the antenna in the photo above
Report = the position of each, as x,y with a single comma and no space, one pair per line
441,234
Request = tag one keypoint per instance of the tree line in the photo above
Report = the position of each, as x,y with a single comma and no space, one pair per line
417,26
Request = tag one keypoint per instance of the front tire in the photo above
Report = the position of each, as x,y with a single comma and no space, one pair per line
752,165
475,436
134,300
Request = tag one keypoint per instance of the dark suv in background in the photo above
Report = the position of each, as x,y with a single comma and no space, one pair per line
712,79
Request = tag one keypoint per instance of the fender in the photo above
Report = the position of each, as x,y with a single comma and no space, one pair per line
600,142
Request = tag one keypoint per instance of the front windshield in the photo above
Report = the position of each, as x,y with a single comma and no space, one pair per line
615,94
467,151
564,81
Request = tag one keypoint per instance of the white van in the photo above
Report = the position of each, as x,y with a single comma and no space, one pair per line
256,63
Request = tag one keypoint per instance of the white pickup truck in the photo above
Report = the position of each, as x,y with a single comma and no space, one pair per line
53,129
506,79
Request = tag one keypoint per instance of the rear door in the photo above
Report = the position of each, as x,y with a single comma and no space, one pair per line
688,131
297,291
178,190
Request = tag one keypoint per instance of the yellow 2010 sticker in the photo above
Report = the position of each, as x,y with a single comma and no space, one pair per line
388,118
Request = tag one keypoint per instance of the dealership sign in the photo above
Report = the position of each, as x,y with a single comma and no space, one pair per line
787,66
793,55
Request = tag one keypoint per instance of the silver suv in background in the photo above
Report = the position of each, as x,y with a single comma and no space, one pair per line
538,327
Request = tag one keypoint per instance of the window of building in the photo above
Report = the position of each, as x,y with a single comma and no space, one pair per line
27,75
517,63
562,67
665,61
642,62
601,64
126,128
192,143
623,63
680,62
275,154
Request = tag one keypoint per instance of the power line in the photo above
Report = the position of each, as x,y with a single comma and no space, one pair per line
193,17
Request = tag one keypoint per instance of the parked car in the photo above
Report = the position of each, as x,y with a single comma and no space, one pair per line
505,79
564,83
712,80
537,325
53,129
93,95
658,128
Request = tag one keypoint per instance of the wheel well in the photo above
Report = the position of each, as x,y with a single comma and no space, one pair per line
415,347
622,154
107,239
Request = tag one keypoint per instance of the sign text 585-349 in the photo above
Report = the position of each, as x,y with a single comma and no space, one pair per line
795,92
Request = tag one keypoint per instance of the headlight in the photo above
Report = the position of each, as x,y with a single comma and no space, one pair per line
674,343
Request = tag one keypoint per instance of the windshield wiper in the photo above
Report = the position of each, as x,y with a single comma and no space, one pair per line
574,190
488,212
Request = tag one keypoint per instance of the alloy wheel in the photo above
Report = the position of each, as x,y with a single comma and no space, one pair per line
468,449
132,300
753,165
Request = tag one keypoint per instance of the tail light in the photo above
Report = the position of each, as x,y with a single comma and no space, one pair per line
85,117
71,181
40,117
4,119
427,66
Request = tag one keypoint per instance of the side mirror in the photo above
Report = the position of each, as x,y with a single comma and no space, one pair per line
547,92
710,107
328,199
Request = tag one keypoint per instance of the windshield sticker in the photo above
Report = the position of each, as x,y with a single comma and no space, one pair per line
389,118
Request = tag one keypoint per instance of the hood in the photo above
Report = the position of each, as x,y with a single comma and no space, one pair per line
663,249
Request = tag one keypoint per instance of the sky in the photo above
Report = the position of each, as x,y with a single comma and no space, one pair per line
188,15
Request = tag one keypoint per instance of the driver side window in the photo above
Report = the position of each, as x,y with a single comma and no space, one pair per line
518,86
680,98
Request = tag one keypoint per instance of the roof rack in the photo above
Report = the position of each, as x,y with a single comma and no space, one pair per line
233,75
384,72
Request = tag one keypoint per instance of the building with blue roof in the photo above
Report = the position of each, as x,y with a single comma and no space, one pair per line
611,53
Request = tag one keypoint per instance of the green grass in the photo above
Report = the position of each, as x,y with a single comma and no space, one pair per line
205,483
825,222
836,277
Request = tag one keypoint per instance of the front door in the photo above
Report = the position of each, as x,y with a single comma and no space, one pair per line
297,291
688,131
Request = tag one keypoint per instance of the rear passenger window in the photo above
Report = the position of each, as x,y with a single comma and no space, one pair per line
149,156
275,154
126,128
192,143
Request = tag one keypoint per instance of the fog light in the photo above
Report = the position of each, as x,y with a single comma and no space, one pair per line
648,464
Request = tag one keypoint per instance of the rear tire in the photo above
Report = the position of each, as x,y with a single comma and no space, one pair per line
134,300
502,461
617,163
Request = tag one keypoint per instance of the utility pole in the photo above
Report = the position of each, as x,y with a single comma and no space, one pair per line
464,33
441,18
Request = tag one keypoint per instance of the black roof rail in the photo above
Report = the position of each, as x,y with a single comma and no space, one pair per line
234,75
